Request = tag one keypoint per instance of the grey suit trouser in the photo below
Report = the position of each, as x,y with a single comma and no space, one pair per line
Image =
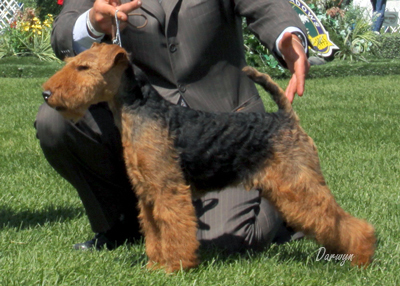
88,155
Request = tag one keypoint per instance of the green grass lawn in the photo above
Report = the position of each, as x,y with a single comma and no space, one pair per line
355,124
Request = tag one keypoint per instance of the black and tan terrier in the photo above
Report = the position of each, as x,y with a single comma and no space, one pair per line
173,152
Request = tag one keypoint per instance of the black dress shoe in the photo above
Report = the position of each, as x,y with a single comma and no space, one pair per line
126,230
110,239
99,242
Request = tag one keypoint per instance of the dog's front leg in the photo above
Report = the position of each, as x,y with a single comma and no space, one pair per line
168,222
167,217
175,215
167,213
152,234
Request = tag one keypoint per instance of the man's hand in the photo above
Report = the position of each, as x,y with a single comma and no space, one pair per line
103,12
297,62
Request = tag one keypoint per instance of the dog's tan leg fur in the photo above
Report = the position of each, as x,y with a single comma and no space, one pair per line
167,213
293,182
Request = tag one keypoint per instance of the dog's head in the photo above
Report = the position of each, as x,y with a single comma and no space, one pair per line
92,76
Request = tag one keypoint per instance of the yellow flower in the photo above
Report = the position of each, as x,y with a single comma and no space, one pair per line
25,26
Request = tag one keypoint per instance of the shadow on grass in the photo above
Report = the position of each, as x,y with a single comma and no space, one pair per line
281,253
10,218
214,257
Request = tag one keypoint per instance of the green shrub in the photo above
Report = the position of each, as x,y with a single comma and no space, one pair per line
28,3
28,67
27,35
390,46
46,7
381,67
256,54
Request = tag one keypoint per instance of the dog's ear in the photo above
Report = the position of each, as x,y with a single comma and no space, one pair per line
121,58
115,56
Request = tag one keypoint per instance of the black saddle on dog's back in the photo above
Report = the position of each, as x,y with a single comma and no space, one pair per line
215,149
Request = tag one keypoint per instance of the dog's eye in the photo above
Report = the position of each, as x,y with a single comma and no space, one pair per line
82,68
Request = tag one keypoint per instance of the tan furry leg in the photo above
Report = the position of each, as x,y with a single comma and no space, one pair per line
168,214
152,236
307,204
175,213
293,181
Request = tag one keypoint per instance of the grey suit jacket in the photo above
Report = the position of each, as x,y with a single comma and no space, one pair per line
193,48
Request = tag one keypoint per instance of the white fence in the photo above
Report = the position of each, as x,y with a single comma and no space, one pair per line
7,11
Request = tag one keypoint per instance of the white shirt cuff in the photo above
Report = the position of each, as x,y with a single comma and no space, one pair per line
80,35
290,30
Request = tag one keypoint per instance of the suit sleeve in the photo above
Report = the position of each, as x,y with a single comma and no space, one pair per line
267,19
61,37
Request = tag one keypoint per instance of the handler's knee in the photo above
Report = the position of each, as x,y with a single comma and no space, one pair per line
51,128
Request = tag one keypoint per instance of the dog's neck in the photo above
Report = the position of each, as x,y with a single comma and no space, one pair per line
116,109
128,92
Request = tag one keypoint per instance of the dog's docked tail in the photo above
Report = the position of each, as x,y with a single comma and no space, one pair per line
277,93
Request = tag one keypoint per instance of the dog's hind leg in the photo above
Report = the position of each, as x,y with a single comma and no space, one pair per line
295,185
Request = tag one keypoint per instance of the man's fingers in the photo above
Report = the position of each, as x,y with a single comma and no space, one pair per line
114,3
300,89
103,13
125,9
294,86
291,90
296,59
301,81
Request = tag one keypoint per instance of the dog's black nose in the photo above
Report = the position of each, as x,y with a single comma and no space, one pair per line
46,94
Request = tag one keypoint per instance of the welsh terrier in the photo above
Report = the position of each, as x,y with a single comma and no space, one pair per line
173,153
